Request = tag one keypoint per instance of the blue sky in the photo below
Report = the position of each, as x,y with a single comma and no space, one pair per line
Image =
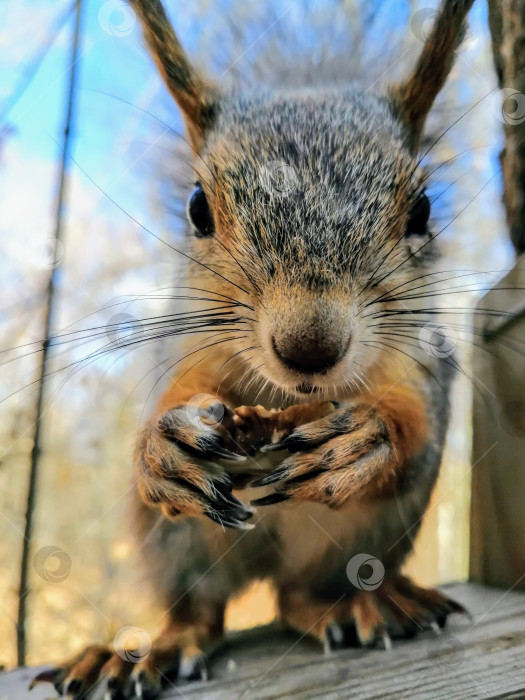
110,139
114,142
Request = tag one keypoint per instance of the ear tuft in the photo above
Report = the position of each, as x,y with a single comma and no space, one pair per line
196,98
413,98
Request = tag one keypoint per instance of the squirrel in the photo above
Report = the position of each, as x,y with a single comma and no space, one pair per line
301,446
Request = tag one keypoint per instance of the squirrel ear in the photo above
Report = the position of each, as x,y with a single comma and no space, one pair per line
194,96
414,97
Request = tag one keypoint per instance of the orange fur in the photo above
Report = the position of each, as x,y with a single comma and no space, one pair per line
368,618
403,409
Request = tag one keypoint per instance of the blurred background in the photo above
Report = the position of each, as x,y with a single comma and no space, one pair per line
113,268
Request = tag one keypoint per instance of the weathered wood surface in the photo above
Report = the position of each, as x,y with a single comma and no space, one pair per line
483,658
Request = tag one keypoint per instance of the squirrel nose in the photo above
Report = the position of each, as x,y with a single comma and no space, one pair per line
307,355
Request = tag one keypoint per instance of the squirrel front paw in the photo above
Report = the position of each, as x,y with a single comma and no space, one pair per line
178,459
354,449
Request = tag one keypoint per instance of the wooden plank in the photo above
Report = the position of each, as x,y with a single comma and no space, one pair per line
482,658
430,667
497,542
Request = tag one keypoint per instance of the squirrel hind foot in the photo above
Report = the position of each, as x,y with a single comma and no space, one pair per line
396,609
126,672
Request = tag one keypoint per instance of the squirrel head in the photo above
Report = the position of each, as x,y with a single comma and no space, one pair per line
309,204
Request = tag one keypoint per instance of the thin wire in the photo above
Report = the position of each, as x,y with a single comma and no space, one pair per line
36,449
34,65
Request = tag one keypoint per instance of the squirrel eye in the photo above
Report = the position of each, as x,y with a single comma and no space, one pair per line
199,213
419,216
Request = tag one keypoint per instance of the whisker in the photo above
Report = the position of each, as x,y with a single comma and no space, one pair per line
467,273
454,123
148,231
453,362
426,369
182,359
434,236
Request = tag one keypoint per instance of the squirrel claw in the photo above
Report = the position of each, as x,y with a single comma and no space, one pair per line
226,497
274,446
223,453
54,675
333,639
293,442
229,520
276,475
144,688
270,499
386,640
227,510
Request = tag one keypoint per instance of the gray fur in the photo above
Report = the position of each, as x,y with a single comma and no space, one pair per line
315,253
335,231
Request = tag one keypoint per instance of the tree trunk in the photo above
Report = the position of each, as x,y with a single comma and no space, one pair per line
49,302
507,26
